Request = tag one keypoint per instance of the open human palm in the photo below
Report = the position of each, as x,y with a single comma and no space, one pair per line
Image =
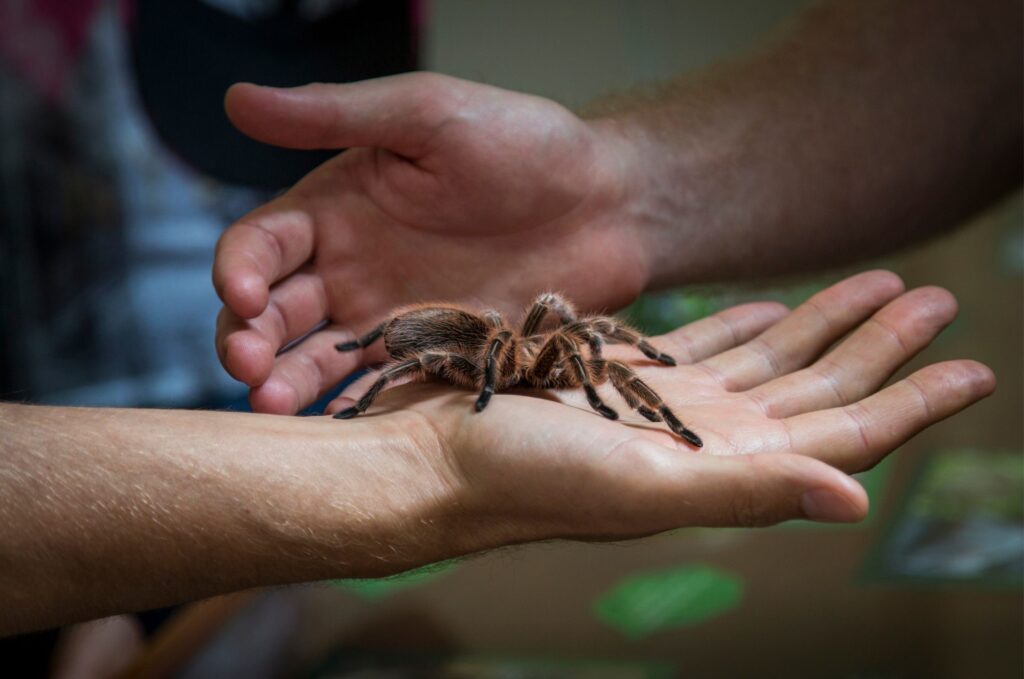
785,413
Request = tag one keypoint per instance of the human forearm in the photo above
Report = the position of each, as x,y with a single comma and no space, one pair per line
868,126
108,510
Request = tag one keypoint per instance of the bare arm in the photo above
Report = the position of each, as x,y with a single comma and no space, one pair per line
867,126
111,510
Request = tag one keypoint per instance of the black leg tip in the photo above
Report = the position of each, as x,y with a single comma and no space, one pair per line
346,414
606,411
691,438
346,346
666,359
679,429
482,402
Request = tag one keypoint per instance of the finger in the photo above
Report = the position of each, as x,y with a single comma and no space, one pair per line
804,334
739,490
724,330
305,373
858,436
258,251
400,113
247,347
865,360
245,354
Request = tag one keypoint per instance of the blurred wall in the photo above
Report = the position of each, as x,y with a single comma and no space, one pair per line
574,50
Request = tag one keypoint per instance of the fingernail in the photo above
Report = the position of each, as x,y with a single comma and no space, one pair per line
824,505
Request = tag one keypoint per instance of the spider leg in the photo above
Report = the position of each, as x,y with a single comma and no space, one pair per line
364,341
583,373
621,384
547,357
390,374
490,368
494,318
552,354
452,367
635,390
586,332
617,331
546,302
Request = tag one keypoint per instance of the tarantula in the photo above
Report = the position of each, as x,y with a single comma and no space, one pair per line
479,351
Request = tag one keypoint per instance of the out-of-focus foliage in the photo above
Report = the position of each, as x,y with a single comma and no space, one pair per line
971,482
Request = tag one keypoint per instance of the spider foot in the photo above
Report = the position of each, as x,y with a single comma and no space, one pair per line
597,404
347,413
677,427
655,355
347,346
690,437
485,398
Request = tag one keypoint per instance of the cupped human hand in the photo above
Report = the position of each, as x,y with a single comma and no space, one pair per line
788,404
450,190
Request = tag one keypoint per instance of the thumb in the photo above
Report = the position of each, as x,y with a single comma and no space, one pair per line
759,489
400,113
764,489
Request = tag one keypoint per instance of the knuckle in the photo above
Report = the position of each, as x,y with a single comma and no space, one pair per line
436,97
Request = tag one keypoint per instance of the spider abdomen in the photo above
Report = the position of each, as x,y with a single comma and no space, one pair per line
424,328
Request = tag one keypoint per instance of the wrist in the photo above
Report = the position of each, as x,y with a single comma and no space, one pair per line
386,498
646,215
678,167
618,206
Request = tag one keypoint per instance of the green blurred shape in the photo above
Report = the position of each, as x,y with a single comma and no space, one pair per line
656,314
645,603
962,483
375,588
959,522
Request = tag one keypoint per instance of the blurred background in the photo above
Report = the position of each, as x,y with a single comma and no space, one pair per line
118,171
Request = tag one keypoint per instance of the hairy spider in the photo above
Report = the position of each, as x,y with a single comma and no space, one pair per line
481,352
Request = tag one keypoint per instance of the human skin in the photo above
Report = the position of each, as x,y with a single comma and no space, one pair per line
865,127
109,510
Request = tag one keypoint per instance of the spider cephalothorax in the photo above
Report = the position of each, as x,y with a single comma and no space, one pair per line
479,351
